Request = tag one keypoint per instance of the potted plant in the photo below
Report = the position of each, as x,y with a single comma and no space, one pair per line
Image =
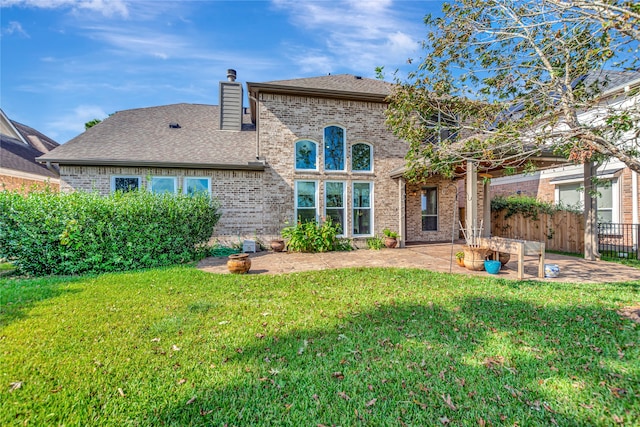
460,258
390,238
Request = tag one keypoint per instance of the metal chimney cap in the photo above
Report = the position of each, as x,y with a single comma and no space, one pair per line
231,75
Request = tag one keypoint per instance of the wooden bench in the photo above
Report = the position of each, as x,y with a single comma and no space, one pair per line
519,248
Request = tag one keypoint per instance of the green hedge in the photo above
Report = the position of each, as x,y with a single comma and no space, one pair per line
58,233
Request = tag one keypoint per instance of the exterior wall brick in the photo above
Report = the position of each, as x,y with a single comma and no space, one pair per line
240,193
285,119
24,184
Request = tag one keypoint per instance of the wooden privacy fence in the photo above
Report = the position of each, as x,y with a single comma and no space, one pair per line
560,231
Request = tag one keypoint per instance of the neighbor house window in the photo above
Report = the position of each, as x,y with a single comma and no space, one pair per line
334,202
334,148
361,158
197,185
429,209
306,155
125,183
163,184
572,195
306,201
362,209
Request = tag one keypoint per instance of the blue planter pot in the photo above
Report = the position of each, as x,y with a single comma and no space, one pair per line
492,267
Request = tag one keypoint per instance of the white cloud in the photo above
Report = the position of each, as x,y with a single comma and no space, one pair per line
15,27
361,34
104,7
72,122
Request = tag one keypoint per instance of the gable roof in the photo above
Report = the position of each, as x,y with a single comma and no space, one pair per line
20,145
145,137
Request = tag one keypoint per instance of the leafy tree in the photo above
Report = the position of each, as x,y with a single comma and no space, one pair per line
91,123
503,81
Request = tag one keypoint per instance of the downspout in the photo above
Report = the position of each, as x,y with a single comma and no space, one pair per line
257,126
52,168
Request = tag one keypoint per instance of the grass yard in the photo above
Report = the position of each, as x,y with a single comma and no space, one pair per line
372,347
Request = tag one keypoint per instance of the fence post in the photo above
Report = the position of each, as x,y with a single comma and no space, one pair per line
637,235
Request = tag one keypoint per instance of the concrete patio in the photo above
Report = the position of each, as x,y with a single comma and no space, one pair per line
435,257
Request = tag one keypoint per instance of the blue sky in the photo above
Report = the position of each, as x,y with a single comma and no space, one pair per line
65,62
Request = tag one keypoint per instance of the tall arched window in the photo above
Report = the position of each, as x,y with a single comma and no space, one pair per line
306,155
334,148
361,157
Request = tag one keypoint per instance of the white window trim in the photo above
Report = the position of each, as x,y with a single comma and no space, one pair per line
295,152
184,183
371,208
344,150
113,181
369,172
344,206
615,197
295,198
175,183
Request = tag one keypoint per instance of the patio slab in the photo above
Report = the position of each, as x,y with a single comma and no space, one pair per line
435,257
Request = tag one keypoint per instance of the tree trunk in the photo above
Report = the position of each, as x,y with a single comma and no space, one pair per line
590,213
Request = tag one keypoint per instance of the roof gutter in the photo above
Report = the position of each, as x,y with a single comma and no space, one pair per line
254,166
321,93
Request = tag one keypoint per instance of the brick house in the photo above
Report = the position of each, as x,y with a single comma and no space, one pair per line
618,200
19,147
305,148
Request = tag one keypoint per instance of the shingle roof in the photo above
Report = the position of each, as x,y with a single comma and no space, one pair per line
143,137
17,156
335,83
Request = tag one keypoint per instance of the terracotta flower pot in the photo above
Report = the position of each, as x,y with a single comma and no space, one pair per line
390,242
474,258
239,263
277,245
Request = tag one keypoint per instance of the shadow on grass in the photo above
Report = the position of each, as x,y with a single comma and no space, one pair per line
17,296
501,361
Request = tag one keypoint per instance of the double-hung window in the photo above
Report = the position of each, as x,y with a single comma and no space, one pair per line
163,184
334,148
334,202
125,183
362,219
306,201
429,209
196,185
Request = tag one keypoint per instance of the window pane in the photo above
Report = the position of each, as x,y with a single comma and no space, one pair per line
429,223
361,157
306,195
306,154
337,217
569,194
605,200
306,215
126,183
362,221
196,185
605,215
334,148
334,194
163,185
361,195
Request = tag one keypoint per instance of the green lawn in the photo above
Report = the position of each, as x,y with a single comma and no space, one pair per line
346,347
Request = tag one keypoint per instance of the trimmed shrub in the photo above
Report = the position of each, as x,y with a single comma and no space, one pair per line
58,233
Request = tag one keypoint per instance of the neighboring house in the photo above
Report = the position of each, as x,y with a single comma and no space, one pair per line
619,192
19,147
306,148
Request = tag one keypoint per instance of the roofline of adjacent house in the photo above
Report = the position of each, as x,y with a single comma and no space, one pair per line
322,93
252,166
